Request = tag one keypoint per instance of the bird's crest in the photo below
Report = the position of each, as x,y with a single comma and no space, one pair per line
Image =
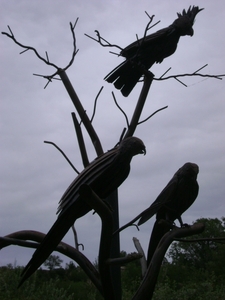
190,13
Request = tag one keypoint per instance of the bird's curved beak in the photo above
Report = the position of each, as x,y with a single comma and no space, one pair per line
191,33
144,151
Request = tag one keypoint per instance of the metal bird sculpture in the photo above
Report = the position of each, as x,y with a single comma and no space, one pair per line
178,195
106,173
143,53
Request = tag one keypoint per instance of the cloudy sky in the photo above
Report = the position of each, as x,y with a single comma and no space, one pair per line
34,175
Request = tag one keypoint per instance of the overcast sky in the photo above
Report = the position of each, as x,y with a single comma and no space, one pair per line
34,175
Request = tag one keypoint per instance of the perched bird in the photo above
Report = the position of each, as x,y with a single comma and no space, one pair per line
143,53
106,173
172,202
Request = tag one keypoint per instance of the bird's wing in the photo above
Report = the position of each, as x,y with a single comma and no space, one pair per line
147,42
87,176
163,198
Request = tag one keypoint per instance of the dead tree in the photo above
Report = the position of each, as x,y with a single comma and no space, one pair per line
106,280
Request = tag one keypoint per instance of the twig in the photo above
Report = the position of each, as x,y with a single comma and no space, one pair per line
131,223
219,76
147,28
100,40
175,77
11,36
165,72
95,104
155,112
47,142
195,73
123,112
76,239
75,50
46,60
151,19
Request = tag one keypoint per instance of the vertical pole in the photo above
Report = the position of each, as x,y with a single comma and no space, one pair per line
115,249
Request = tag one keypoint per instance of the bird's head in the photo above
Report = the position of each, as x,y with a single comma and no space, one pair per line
185,20
132,146
190,169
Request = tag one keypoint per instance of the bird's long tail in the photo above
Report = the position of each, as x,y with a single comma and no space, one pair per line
125,77
47,246
158,232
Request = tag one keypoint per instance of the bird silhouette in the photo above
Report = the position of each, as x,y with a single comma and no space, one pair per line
106,173
154,48
178,195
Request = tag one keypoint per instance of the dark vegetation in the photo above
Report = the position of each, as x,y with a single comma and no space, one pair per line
193,270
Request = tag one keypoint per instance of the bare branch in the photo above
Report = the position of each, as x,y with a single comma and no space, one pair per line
131,223
80,139
95,104
106,237
28,48
201,68
47,142
147,28
123,112
140,104
124,260
82,113
75,50
143,259
76,238
165,72
195,73
102,41
155,112
46,60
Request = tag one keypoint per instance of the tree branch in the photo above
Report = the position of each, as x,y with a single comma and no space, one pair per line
80,139
124,260
155,112
100,40
95,104
143,260
20,238
106,237
62,74
140,104
195,73
82,113
64,155
146,289
123,112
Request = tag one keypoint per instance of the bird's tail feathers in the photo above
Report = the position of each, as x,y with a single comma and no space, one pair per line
55,235
149,212
158,231
125,77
